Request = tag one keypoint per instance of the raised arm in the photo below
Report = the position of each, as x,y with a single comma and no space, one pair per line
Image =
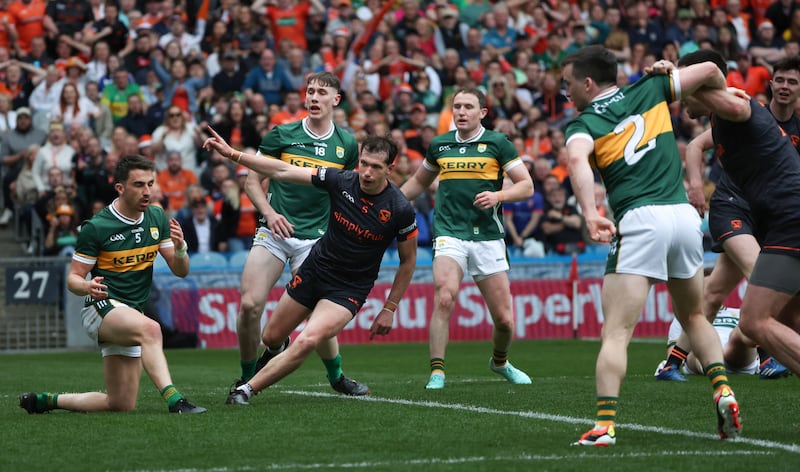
272,168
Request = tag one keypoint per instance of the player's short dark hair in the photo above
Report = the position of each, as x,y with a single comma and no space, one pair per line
787,64
474,91
132,162
704,55
326,79
595,62
380,144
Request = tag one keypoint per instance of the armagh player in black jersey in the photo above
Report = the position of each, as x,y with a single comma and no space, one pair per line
730,219
367,213
760,159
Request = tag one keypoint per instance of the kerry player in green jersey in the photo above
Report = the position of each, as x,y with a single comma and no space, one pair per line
118,247
293,218
468,227
626,134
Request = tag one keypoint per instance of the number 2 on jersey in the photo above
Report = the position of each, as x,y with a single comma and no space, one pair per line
632,156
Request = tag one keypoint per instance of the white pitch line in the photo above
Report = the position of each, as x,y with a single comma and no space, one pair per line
795,448
428,461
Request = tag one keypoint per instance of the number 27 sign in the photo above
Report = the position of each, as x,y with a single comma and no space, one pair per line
33,285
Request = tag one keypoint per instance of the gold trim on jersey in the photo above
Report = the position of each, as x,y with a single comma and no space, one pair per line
467,167
610,148
305,161
128,260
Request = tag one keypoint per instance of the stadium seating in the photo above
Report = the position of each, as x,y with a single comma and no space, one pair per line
236,260
208,261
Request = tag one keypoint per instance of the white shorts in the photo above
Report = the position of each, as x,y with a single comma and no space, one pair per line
480,259
91,323
659,242
291,249
727,318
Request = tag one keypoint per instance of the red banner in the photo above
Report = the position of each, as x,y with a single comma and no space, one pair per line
542,308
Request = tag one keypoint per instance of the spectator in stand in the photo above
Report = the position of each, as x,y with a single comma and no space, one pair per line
267,79
28,18
15,84
551,100
618,41
62,233
748,76
55,153
189,43
177,133
503,102
238,216
522,220
174,180
16,147
103,123
97,67
297,67
643,29
681,31
200,229
562,225
136,122
69,16
45,97
392,69
236,129
286,18
218,169
740,21
551,58
139,60
115,94
73,109
452,30
404,19
230,78
766,45
726,44
180,89
291,111
193,192
111,30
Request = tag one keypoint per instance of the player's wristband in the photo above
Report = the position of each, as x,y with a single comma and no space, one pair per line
181,253
239,157
500,196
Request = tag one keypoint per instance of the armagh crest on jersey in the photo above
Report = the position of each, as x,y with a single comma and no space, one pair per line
634,146
124,248
306,208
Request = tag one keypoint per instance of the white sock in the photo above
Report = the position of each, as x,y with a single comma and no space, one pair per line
246,389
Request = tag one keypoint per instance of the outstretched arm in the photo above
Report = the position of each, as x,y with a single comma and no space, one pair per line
407,250
271,168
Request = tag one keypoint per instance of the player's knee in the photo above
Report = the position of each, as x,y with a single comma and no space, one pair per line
150,332
121,404
307,343
750,328
504,324
272,339
249,308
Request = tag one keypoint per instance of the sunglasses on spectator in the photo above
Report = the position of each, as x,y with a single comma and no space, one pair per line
173,115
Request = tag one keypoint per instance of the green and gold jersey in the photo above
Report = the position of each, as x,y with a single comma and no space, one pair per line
634,145
306,208
467,168
123,250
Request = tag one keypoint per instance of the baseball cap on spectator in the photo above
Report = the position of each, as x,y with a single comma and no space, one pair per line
64,209
766,24
258,36
342,31
449,11
23,111
685,14
404,88
242,170
418,107
145,140
75,62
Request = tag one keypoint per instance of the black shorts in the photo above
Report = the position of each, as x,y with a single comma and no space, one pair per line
729,216
778,272
311,285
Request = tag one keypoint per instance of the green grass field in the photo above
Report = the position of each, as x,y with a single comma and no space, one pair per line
479,422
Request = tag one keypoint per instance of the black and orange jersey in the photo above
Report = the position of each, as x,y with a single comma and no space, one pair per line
360,227
760,159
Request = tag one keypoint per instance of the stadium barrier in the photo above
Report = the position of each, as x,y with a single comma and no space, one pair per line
39,313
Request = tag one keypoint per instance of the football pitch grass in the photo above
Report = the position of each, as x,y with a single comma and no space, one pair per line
478,422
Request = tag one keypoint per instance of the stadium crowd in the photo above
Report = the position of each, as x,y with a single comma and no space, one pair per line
85,82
